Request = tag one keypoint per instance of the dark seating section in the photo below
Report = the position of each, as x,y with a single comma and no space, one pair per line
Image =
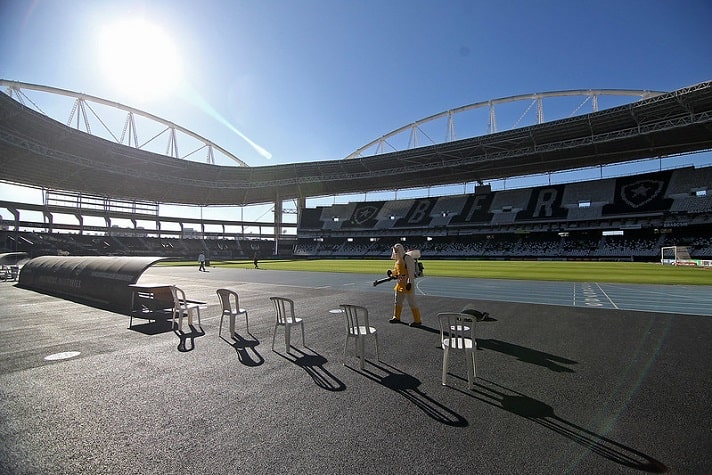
625,218
53,244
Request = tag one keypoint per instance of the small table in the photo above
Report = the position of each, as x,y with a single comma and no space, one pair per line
149,299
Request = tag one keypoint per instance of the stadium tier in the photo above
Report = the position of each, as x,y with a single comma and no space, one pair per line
628,218
624,218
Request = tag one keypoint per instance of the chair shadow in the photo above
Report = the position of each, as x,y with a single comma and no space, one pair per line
407,386
155,327
527,355
422,326
154,323
426,328
187,339
243,347
313,364
541,413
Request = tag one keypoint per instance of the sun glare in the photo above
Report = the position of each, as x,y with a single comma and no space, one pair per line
139,59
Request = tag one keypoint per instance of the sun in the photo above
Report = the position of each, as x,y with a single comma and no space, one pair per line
139,59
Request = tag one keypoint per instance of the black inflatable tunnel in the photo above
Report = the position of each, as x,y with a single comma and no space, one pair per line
97,281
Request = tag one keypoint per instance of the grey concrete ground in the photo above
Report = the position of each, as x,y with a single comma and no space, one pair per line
560,388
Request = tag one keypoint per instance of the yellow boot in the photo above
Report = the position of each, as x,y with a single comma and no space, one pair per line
416,318
396,314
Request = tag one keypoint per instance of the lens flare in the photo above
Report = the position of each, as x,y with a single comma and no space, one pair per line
203,105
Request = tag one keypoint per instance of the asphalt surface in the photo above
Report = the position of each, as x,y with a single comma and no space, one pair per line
594,382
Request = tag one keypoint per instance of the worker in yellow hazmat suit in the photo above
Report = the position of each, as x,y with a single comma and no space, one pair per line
404,274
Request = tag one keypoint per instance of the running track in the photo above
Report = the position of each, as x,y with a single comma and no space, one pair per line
677,299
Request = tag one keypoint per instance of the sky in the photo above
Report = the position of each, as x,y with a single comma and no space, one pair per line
285,81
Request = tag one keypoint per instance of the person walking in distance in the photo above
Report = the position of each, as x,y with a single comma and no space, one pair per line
404,274
201,260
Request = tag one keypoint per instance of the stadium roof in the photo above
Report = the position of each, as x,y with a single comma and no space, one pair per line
36,150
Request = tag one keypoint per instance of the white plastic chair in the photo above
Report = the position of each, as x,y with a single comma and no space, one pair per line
284,309
358,328
457,332
181,308
230,302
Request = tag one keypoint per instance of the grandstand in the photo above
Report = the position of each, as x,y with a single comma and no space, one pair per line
626,218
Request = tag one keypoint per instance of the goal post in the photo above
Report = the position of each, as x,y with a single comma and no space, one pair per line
674,255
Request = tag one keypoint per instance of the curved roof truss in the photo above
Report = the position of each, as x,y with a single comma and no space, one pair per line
82,110
415,129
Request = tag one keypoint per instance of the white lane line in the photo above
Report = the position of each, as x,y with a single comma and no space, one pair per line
304,286
606,295
62,356
574,287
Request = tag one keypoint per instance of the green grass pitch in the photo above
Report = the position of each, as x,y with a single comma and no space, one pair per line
566,271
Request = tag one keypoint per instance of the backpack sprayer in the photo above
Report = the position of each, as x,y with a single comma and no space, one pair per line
415,255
